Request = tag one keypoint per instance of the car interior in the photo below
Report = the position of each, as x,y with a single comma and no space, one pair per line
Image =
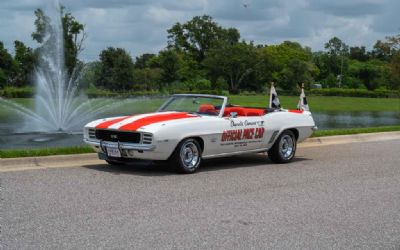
239,110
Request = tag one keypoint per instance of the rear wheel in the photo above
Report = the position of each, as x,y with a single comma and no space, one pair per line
187,156
284,148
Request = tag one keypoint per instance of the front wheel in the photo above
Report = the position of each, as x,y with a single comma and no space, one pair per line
187,156
284,148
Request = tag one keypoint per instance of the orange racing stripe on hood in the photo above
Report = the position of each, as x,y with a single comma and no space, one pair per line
155,119
106,124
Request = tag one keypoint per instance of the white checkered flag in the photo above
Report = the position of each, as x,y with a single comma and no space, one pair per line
303,104
273,98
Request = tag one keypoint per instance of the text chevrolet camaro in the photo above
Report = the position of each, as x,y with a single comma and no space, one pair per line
188,128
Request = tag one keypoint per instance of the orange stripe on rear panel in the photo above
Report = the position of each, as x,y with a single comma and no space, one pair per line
296,111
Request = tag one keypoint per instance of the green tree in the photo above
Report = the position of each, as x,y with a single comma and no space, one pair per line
295,73
89,73
73,31
394,72
25,60
234,62
147,79
382,51
169,62
321,60
199,35
176,66
283,53
336,60
370,73
74,36
389,51
287,64
3,78
189,68
116,69
336,47
142,61
359,53
7,66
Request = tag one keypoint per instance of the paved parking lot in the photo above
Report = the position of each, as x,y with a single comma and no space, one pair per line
331,197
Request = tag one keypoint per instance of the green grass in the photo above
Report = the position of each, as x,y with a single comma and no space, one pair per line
316,103
324,103
6,113
14,153
351,131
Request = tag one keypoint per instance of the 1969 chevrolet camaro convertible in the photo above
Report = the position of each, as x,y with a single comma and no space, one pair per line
189,127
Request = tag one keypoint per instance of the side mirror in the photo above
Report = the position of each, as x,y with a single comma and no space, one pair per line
233,114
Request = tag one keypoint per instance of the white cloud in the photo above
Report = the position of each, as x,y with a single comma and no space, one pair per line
140,25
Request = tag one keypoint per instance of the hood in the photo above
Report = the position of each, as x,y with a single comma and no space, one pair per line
135,122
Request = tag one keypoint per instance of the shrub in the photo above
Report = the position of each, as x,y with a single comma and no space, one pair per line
93,93
12,92
97,92
355,93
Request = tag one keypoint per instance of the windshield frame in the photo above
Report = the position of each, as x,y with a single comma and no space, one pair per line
173,97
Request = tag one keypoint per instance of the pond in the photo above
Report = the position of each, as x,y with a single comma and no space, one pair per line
9,138
337,120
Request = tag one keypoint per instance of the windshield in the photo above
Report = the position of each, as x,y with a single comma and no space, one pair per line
194,104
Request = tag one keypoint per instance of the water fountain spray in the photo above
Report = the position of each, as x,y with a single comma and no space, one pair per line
59,103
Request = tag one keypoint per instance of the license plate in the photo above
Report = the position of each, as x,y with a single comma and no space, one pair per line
113,152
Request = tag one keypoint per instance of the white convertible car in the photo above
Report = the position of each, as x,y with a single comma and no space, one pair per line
189,127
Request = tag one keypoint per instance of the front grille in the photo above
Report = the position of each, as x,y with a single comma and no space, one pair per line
115,136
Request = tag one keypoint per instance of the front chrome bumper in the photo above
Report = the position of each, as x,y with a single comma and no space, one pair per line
120,145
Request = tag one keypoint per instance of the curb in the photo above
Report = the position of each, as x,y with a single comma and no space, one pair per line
42,162
345,139
59,161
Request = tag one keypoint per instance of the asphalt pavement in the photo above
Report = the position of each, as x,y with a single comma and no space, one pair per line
331,197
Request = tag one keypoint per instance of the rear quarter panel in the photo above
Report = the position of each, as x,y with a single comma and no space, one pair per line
279,121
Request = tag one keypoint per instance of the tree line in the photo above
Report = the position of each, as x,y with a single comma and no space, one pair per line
203,55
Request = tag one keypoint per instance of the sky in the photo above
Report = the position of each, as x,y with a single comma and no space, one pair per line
140,26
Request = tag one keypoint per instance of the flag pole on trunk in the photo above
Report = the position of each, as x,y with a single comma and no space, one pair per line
303,104
273,98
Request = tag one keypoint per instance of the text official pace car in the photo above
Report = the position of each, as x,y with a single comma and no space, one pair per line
189,127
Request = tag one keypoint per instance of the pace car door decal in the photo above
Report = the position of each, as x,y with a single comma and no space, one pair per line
243,134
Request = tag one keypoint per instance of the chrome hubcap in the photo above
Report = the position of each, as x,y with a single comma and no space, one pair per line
286,147
190,155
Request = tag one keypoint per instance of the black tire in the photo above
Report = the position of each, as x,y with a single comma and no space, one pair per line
284,148
189,148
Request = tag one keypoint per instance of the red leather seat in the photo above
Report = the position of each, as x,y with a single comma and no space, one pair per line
207,108
239,110
254,112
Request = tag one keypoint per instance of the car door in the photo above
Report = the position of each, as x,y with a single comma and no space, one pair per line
242,133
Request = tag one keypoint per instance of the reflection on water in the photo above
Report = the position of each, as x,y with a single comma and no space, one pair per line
335,120
328,120
37,140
